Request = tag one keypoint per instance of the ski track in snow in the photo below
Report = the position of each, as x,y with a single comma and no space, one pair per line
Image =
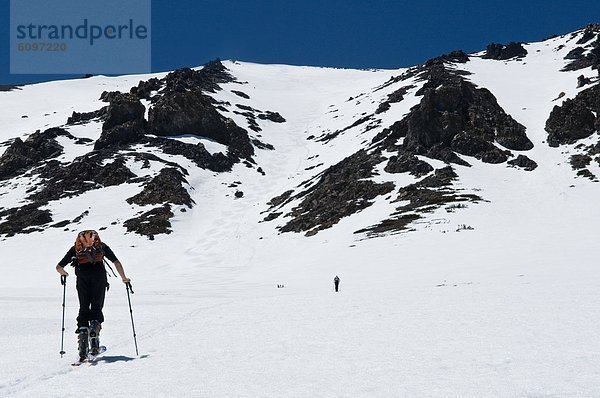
507,309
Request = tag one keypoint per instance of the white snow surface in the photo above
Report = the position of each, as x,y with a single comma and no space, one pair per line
507,309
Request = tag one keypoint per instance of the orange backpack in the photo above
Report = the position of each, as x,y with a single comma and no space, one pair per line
88,247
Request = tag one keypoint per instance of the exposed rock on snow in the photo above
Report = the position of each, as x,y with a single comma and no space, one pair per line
575,119
166,187
342,190
392,98
424,196
406,162
588,55
179,110
22,155
83,174
144,89
454,114
23,219
523,162
150,223
503,52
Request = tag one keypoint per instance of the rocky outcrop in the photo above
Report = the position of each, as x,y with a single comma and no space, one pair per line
145,88
427,195
166,187
123,121
342,190
575,119
22,155
86,117
197,153
458,56
455,115
406,162
588,54
589,33
504,52
23,220
82,175
393,98
179,111
523,162
151,223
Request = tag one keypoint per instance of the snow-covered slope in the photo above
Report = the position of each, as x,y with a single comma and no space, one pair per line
488,289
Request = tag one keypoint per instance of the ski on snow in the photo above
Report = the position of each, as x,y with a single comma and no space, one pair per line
90,358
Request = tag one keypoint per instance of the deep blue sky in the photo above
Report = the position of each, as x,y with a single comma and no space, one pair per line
339,33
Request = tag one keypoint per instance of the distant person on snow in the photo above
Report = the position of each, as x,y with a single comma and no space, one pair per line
336,283
87,256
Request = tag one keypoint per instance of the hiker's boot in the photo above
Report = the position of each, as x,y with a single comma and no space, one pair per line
82,342
95,328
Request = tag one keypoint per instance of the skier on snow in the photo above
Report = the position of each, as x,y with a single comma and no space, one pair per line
87,256
336,283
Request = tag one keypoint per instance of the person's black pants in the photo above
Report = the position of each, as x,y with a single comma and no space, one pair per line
91,288
337,286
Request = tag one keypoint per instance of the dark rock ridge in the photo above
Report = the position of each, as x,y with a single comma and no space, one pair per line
124,121
197,153
23,155
589,33
151,223
458,56
504,52
23,220
575,119
588,54
145,88
182,108
166,187
523,162
427,195
330,136
252,114
341,191
86,117
455,115
82,175
393,98
406,162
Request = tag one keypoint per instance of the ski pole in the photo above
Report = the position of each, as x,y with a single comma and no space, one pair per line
112,270
128,287
63,281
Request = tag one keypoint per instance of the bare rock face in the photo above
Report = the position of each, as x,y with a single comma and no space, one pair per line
342,190
588,54
24,219
454,114
145,88
182,109
523,162
406,162
503,52
196,153
575,119
166,187
123,121
151,223
83,174
22,155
